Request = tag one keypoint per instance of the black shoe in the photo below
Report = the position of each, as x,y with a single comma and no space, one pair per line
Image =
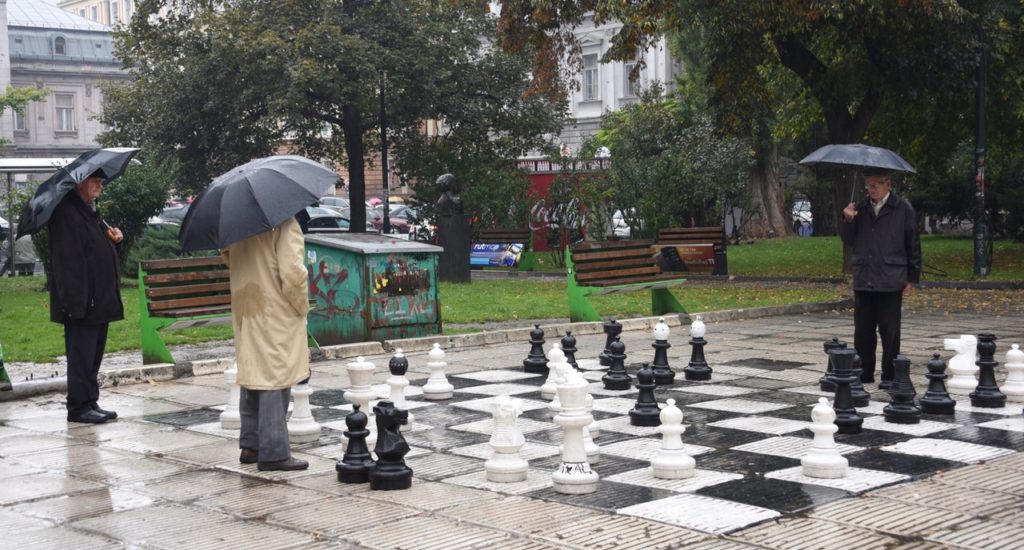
289,464
248,456
111,415
88,417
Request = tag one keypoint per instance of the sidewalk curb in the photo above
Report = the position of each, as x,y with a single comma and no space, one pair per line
167,371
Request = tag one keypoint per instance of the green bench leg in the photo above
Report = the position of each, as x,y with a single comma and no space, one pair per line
153,348
580,308
663,301
527,261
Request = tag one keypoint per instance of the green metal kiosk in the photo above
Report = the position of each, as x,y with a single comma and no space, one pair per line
365,286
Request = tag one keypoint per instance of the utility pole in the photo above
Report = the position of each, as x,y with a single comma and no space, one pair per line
980,226
385,183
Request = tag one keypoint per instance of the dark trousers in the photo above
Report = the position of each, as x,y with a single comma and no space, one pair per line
264,423
881,310
84,345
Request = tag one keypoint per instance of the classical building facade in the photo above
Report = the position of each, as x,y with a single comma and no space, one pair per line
104,12
44,46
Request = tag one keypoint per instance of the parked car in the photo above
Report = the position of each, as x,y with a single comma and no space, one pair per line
334,202
175,213
398,217
325,220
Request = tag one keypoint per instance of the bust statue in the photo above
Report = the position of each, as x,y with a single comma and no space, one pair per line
448,203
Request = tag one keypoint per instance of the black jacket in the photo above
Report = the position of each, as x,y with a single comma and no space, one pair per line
886,247
85,271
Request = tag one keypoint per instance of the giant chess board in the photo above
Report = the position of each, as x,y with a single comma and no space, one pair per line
746,428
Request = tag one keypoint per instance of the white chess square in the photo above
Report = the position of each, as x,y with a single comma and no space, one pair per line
1012,424
874,407
738,371
483,404
959,451
620,424
743,406
716,377
593,375
384,391
504,388
486,426
617,405
707,514
812,390
213,428
647,448
535,479
590,365
701,478
802,376
529,450
498,375
963,404
856,480
720,390
597,388
762,424
924,427
409,405
789,447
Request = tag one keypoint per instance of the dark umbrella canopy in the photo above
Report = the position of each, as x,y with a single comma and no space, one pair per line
36,214
253,198
859,156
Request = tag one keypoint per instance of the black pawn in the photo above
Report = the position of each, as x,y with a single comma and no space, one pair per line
569,349
901,408
612,329
663,375
859,396
390,473
698,368
536,362
937,400
987,394
355,465
825,384
617,378
646,411
847,419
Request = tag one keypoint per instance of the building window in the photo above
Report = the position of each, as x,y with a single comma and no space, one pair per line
115,12
65,112
19,120
630,88
590,84
95,13
81,13
60,46
127,10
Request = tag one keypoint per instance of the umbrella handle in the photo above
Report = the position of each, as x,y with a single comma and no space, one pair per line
110,231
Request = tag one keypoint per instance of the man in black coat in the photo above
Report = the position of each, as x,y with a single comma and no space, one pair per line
85,295
886,263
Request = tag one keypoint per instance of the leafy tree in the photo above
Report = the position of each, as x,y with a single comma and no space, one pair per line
17,98
218,83
129,201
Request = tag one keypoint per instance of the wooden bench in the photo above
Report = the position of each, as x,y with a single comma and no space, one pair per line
180,293
523,236
595,268
693,249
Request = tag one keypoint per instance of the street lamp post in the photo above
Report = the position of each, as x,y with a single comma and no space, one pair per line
980,226
386,227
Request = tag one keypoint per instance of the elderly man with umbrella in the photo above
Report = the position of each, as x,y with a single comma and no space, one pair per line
249,214
882,231
85,292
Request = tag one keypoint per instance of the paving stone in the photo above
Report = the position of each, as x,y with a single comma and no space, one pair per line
59,537
621,533
948,450
112,430
812,533
432,496
259,501
70,458
148,524
980,535
129,470
30,487
15,522
445,534
16,445
190,485
535,479
954,498
160,441
518,515
889,516
66,508
437,466
856,480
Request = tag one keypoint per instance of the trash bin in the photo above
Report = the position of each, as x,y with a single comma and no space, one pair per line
364,286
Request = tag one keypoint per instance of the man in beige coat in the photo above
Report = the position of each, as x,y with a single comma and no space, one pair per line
269,303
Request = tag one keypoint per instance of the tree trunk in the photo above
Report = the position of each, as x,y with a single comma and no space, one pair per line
766,197
353,130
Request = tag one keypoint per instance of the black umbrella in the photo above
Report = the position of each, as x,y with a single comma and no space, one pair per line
253,198
39,208
859,156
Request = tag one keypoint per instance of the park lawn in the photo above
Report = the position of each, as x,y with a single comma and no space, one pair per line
28,335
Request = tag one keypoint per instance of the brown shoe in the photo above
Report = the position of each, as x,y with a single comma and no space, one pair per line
248,456
288,464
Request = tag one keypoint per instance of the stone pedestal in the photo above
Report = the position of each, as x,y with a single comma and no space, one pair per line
453,236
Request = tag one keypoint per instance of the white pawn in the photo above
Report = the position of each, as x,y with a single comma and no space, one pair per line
963,381
231,419
555,355
437,386
302,428
505,464
361,392
397,384
823,460
1014,386
574,476
672,460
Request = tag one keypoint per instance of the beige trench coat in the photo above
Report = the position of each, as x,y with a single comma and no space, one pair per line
268,308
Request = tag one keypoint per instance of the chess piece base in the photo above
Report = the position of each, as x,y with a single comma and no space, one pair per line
673,464
697,374
229,421
616,383
902,415
390,479
437,395
645,418
664,379
938,407
987,401
824,467
354,473
507,469
574,478
303,433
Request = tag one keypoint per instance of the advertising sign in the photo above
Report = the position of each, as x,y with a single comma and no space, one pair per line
495,254
686,257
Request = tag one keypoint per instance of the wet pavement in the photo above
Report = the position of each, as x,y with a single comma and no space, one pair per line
166,475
